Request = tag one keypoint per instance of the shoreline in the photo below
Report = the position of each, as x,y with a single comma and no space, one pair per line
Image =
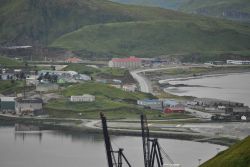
164,81
73,127
167,81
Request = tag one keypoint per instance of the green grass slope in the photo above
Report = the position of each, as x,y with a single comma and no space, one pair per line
7,62
32,22
237,155
168,4
114,102
99,89
154,38
230,9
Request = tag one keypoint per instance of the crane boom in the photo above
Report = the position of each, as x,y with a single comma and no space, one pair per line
109,149
112,162
151,149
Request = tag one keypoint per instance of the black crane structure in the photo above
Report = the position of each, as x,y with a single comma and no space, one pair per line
112,161
151,148
152,152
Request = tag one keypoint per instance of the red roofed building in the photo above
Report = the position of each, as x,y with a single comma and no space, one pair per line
73,60
175,109
130,62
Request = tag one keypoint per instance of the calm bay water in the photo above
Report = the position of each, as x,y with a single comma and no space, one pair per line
58,149
233,87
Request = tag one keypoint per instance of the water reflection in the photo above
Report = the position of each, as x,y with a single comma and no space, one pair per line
64,149
23,131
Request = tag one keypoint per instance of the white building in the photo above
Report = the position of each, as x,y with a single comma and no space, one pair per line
238,62
129,88
82,77
83,98
130,63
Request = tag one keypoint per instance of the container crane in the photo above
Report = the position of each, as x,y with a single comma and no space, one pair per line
152,151
111,158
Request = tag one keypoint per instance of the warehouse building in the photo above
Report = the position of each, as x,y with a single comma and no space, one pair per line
7,104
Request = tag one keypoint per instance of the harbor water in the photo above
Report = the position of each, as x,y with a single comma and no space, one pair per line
231,87
64,149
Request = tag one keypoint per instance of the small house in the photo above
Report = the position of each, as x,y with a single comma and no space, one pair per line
73,60
83,98
29,106
151,103
171,106
179,108
129,88
82,77
7,104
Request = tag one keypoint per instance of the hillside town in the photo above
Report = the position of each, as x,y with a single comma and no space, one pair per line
42,86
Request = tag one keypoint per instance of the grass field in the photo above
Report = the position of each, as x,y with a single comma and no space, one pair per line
150,38
104,90
11,87
116,103
237,155
8,62
82,69
43,21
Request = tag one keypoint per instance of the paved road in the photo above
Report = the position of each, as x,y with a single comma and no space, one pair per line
199,114
145,84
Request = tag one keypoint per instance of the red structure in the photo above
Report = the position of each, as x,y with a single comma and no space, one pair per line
176,109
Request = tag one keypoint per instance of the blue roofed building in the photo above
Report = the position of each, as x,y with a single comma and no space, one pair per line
151,103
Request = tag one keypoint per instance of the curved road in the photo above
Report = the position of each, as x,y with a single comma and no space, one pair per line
144,83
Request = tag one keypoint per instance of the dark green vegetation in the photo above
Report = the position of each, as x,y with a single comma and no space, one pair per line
116,103
100,28
230,9
158,38
82,69
7,62
168,4
11,86
41,21
237,155
105,90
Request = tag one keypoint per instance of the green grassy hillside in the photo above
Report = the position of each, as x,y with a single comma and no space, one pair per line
153,38
114,102
237,155
100,28
168,4
41,21
230,9
8,62
104,90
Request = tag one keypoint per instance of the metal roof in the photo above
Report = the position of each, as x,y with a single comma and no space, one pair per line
7,98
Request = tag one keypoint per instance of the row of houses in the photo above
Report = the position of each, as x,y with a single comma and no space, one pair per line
165,105
21,106
221,109
125,87
238,62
